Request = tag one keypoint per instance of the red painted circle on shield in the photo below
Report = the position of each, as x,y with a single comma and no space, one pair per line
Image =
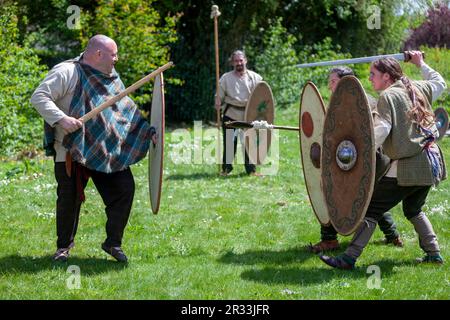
307,124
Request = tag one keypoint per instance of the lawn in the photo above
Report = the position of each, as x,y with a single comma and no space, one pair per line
235,237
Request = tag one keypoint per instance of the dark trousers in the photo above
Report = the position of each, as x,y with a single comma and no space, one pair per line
116,190
387,194
229,149
386,224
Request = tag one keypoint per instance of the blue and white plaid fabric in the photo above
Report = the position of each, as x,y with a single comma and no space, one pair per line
433,155
117,137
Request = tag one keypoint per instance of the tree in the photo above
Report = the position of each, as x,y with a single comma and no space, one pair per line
434,31
142,36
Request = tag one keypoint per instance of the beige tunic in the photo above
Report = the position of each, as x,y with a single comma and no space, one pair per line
235,91
52,100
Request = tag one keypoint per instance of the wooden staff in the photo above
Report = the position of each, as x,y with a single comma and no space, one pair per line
215,13
91,114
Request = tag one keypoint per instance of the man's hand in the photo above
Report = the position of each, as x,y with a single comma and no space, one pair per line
416,58
69,124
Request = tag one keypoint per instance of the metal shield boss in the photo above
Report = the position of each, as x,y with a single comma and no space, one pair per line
348,156
156,152
260,106
442,124
311,118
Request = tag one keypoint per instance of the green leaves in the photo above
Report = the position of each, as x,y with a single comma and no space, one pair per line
20,73
142,35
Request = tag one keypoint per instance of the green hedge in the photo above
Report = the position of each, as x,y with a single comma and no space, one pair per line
20,73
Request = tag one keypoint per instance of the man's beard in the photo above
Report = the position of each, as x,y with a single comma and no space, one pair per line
240,68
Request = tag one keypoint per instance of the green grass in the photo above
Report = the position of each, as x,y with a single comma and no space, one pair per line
237,237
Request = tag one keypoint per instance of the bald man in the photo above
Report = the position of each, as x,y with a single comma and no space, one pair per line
102,148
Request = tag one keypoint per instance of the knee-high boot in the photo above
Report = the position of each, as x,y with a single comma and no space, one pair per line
427,237
361,238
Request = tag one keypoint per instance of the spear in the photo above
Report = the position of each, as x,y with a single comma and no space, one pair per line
405,56
215,13
257,125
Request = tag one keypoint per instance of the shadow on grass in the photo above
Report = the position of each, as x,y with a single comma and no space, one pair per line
203,175
15,264
298,254
305,276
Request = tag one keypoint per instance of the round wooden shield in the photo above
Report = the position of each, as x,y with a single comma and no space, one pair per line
441,121
311,118
348,156
156,152
260,106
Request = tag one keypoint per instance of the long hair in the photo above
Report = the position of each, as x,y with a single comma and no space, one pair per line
418,113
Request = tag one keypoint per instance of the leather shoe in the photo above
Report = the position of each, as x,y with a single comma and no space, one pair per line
337,262
396,242
116,252
324,245
61,255
436,259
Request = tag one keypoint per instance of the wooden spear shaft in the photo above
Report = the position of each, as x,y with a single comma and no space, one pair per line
91,114
215,13
244,125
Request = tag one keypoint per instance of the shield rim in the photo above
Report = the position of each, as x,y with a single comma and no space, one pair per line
327,165
269,133
322,104
442,130
155,195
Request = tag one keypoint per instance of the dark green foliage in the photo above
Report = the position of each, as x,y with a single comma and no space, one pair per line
332,25
20,73
142,36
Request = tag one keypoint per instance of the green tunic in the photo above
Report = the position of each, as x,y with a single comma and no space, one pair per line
405,141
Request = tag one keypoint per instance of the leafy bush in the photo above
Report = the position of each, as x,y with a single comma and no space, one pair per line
20,74
141,36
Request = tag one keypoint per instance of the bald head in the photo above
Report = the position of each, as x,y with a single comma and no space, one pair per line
98,42
101,53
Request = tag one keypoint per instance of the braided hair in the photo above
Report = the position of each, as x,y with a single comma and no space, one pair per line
418,113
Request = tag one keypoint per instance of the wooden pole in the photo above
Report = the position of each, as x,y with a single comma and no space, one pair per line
247,125
91,114
215,13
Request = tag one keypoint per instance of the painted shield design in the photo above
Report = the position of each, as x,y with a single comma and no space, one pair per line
260,106
156,152
441,121
348,156
311,118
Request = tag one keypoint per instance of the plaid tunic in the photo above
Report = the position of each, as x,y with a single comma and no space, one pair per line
117,137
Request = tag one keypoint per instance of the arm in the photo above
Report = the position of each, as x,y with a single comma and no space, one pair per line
55,87
382,123
436,81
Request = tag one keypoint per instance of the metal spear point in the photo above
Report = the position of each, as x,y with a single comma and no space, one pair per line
405,56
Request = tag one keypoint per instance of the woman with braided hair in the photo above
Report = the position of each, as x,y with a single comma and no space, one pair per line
328,234
405,127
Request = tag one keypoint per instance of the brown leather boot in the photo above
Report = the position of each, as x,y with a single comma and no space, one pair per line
396,242
324,245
